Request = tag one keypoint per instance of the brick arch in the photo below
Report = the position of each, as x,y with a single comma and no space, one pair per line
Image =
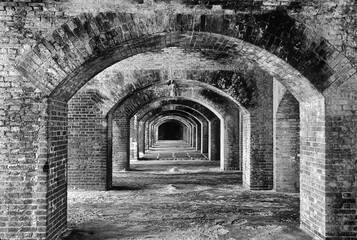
132,104
169,112
162,119
221,105
64,61
197,110
150,110
303,62
240,85
211,147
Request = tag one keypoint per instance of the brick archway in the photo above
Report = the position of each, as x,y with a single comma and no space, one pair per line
210,127
305,67
194,123
126,109
96,42
201,121
178,119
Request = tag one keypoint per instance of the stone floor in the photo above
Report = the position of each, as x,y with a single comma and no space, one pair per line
173,150
182,200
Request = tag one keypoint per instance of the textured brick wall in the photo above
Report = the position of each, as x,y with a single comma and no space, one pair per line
133,138
231,140
312,167
87,138
121,143
24,23
261,135
341,152
246,161
287,160
214,139
141,138
57,169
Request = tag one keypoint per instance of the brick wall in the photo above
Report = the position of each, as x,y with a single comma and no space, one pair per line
312,167
246,161
57,169
87,138
24,23
261,135
231,140
133,138
341,152
121,143
214,136
287,160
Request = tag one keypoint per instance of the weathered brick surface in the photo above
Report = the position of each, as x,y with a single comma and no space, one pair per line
31,36
121,143
287,160
87,142
133,138
313,167
57,169
341,185
260,154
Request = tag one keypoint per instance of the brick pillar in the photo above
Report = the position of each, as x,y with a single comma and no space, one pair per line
214,140
246,161
87,148
287,150
121,143
204,138
198,137
141,138
231,141
194,136
147,136
313,173
261,151
133,139
341,165
24,168
56,168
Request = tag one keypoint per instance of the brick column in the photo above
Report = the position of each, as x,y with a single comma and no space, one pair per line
287,150
56,167
313,167
231,141
121,143
87,138
340,173
204,138
261,152
198,137
141,138
133,139
214,148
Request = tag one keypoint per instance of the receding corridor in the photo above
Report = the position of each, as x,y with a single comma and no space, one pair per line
173,150
178,119
181,199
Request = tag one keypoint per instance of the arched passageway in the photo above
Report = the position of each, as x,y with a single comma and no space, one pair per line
306,64
170,131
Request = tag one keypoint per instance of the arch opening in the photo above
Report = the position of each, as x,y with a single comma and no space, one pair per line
64,90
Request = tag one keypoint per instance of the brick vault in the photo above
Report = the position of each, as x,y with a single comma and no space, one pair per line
267,88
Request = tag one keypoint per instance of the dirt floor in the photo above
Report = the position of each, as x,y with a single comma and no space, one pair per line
182,200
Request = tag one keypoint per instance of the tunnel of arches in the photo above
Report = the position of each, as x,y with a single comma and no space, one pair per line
171,130
253,150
